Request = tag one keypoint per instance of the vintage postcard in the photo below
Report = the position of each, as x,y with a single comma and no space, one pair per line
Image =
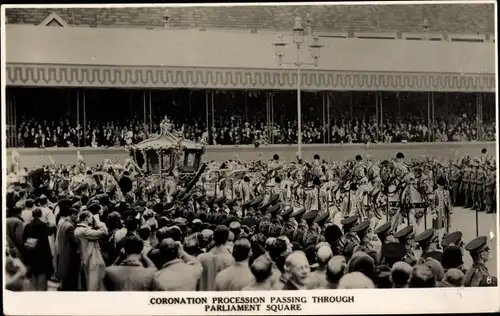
302,158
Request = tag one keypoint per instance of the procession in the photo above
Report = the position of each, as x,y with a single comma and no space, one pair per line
166,220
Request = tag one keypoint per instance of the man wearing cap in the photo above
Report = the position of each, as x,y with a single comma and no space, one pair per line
312,228
289,224
392,252
347,225
384,233
406,237
428,242
474,184
454,238
322,221
466,185
364,234
480,253
480,184
441,209
456,176
489,190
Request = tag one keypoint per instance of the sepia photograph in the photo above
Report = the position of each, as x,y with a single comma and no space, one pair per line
231,153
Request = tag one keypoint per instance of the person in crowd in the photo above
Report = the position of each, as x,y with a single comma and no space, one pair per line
67,256
452,278
180,272
88,232
132,270
261,269
15,273
422,277
400,274
297,266
38,256
318,276
237,276
355,280
14,232
215,260
480,253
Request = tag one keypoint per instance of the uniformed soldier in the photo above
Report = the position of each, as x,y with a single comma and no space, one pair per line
364,233
322,221
474,184
289,225
349,236
480,185
274,211
489,190
406,237
219,203
302,227
384,233
428,242
480,253
392,252
454,238
256,202
466,185
312,227
456,177
210,203
296,217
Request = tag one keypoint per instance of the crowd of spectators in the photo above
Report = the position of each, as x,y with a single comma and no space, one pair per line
62,133
238,118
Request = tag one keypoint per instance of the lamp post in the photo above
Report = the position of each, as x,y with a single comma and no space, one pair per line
299,32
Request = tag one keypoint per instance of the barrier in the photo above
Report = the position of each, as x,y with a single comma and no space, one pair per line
36,157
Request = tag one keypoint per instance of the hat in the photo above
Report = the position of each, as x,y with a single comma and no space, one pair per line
256,201
394,251
220,199
441,181
438,255
321,219
274,198
452,238
361,228
477,244
310,215
275,208
247,203
199,198
404,233
235,225
230,202
286,211
299,212
383,230
452,257
169,207
425,236
349,220
264,206
210,200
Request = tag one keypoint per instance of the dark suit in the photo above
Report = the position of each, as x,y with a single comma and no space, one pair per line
67,256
